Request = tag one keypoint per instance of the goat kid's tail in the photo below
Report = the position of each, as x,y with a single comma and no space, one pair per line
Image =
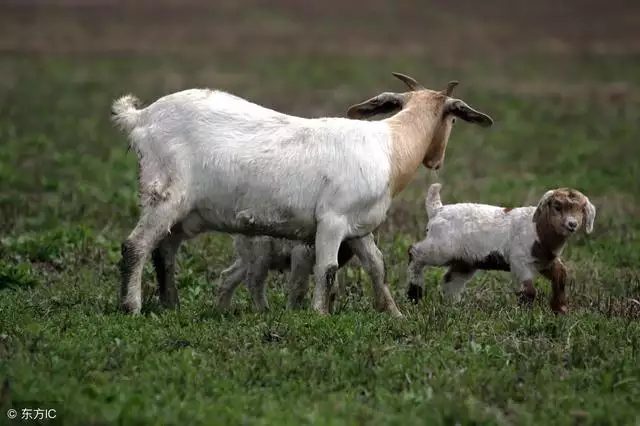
432,202
125,112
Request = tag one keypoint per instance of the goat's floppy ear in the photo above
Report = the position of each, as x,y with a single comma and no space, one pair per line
589,216
384,103
466,113
542,204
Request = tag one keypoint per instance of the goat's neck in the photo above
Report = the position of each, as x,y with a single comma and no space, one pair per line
412,131
549,244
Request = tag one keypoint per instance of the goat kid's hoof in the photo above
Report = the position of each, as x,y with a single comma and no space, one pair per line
560,309
526,299
415,293
323,312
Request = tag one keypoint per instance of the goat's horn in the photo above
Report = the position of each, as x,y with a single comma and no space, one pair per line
412,83
450,86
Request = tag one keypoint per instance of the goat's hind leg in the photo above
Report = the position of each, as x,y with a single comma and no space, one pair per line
152,227
455,280
373,263
164,260
257,282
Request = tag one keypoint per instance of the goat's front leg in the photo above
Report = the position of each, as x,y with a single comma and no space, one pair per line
164,262
422,254
556,273
373,263
329,235
523,284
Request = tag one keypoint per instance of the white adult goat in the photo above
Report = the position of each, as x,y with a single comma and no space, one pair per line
211,161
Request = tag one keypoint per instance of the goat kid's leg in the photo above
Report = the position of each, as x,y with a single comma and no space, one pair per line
153,226
164,261
373,263
455,279
421,255
334,295
230,279
302,259
329,235
523,285
556,273
257,282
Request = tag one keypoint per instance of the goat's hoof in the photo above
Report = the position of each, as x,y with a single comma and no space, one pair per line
130,308
526,299
262,309
323,312
415,293
170,302
395,313
559,308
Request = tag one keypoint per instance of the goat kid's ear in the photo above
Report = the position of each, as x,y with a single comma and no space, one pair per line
384,103
466,113
542,204
589,216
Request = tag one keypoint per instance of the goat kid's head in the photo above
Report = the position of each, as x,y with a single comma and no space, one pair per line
433,105
565,210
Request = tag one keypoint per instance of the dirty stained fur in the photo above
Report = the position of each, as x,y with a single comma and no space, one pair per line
525,241
212,161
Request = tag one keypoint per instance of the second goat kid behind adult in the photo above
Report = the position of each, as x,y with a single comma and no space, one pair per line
211,161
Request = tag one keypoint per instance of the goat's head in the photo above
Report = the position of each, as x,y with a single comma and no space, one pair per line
430,105
565,210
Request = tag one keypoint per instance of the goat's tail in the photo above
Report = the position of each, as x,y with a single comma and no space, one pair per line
432,202
125,112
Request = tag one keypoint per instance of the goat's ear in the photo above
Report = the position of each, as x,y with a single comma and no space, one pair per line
542,204
589,216
466,113
384,103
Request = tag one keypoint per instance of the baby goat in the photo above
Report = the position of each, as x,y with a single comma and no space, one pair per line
257,255
467,237
211,161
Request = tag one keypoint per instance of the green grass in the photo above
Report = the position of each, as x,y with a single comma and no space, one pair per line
68,199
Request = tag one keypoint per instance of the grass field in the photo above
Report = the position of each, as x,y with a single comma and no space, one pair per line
562,86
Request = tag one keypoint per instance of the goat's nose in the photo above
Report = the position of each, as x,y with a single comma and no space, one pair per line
572,224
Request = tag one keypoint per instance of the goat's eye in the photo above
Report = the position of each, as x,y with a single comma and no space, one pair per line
557,207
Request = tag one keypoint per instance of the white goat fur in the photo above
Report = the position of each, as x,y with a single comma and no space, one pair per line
480,236
211,161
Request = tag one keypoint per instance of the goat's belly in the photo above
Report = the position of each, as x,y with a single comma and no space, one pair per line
250,222
367,220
